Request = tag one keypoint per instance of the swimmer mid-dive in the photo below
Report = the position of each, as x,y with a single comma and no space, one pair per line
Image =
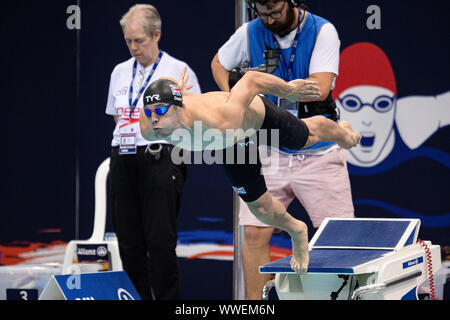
168,108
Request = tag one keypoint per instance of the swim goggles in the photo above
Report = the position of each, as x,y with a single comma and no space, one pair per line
160,111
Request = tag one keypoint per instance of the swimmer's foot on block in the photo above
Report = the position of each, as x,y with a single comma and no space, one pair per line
300,251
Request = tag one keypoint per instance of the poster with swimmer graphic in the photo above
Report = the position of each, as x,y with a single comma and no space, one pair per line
401,165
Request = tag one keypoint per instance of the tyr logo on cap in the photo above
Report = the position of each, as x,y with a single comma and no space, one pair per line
150,98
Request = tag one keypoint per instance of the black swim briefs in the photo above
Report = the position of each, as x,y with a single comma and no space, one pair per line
243,168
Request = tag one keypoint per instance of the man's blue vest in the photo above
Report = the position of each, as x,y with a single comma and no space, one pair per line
259,36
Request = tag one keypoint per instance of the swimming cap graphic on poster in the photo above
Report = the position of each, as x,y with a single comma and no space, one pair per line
394,129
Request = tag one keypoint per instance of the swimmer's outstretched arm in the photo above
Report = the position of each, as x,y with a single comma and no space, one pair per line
254,83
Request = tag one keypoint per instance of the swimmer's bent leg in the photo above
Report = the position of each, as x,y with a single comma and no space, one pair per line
249,183
272,212
293,132
245,176
323,129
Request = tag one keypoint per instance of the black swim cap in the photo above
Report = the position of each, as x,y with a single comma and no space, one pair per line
163,90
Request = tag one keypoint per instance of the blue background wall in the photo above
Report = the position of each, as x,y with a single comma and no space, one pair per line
54,85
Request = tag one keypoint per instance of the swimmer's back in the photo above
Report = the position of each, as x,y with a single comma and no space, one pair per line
211,107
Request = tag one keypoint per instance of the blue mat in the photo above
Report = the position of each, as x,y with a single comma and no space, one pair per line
361,233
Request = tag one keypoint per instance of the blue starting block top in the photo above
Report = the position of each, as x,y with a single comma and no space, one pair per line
341,245
359,233
327,261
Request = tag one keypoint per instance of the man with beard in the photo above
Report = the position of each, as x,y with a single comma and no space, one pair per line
308,46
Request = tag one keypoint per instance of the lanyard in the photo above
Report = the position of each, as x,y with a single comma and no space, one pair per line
130,94
293,47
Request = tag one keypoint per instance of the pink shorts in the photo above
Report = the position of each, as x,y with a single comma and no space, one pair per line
320,182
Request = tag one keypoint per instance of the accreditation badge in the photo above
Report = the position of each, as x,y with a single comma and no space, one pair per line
127,143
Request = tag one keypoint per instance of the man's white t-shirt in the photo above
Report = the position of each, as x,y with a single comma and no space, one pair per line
118,100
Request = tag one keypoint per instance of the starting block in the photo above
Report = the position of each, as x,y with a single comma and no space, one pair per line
370,259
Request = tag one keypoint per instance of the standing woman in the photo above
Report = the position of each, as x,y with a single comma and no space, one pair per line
146,186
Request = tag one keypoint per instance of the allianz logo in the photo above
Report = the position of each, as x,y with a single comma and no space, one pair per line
100,251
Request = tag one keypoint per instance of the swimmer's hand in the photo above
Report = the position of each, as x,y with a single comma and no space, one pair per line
182,83
301,90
